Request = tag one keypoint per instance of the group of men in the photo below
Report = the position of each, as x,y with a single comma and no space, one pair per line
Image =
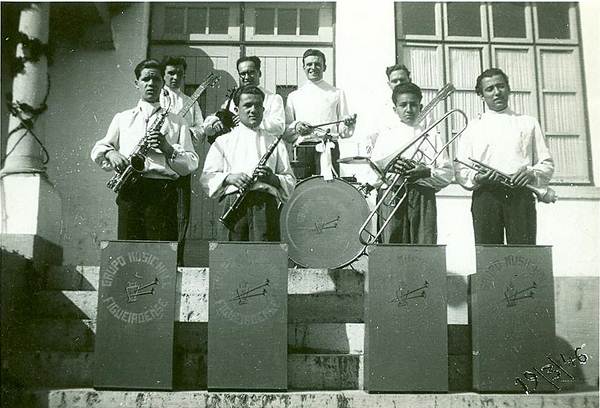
157,206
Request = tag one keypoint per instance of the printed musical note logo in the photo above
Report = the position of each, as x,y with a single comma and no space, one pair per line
134,289
243,293
512,295
403,295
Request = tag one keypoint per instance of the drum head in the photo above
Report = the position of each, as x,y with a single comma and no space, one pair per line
321,221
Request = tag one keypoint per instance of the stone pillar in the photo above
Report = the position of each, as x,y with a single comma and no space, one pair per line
29,203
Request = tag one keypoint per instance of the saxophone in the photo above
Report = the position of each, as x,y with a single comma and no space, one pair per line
137,159
233,215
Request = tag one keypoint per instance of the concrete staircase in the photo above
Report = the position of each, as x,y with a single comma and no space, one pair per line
325,346
325,334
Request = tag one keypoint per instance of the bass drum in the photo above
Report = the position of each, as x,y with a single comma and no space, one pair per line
321,221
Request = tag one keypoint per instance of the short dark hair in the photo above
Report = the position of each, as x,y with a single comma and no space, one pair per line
251,58
147,64
313,52
488,73
407,88
174,62
397,67
248,90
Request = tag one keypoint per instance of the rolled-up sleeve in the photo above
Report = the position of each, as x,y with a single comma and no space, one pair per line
442,171
197,119
543,167
185,160
106,144
344,112
214,172
464,175
290,120
285,174
274,118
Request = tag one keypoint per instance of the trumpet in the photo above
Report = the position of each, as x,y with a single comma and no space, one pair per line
396,192
543,194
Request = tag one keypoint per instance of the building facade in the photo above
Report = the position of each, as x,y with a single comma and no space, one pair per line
52,190
547,49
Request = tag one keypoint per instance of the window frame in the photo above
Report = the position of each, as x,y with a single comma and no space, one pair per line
325,33
573,28
528,26
158,32
415,37
573,174
483,22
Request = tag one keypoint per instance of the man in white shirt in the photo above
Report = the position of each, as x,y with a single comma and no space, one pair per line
174,99
396,74
148,207
231,163
273,122
314,103
512,144
415,222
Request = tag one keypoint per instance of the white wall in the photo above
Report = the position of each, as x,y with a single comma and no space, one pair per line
88,88
590,33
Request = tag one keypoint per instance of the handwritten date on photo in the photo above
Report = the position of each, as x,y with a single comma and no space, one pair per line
550,372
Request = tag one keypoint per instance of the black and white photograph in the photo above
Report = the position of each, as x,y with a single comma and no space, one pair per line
316,204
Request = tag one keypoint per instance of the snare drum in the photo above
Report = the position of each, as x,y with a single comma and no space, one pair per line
321,221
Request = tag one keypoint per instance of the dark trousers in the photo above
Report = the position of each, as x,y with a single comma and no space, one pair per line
259,219
148,211
496,209
184,202
310,158
415,221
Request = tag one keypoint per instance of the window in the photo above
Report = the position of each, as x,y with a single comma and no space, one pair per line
289,22
536,44
195,21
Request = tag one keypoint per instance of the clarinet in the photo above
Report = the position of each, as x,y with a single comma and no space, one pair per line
233,215
137,159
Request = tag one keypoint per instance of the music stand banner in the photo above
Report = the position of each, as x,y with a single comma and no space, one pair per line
512,317
136,313
247,316
406,332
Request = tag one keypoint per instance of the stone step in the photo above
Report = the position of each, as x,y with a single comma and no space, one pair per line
325,338
305,371
195,280
193,307
90,398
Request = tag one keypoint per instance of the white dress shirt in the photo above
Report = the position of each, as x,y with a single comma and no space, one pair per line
193,117
127,129
316,103
239,151
508,142
392,140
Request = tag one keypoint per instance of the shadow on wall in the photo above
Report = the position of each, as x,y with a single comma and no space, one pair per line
15,273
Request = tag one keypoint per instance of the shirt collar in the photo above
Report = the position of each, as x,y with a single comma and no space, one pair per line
173,90
147,108
506,111
246,129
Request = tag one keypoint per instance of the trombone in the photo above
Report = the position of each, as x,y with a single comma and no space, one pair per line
396,192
